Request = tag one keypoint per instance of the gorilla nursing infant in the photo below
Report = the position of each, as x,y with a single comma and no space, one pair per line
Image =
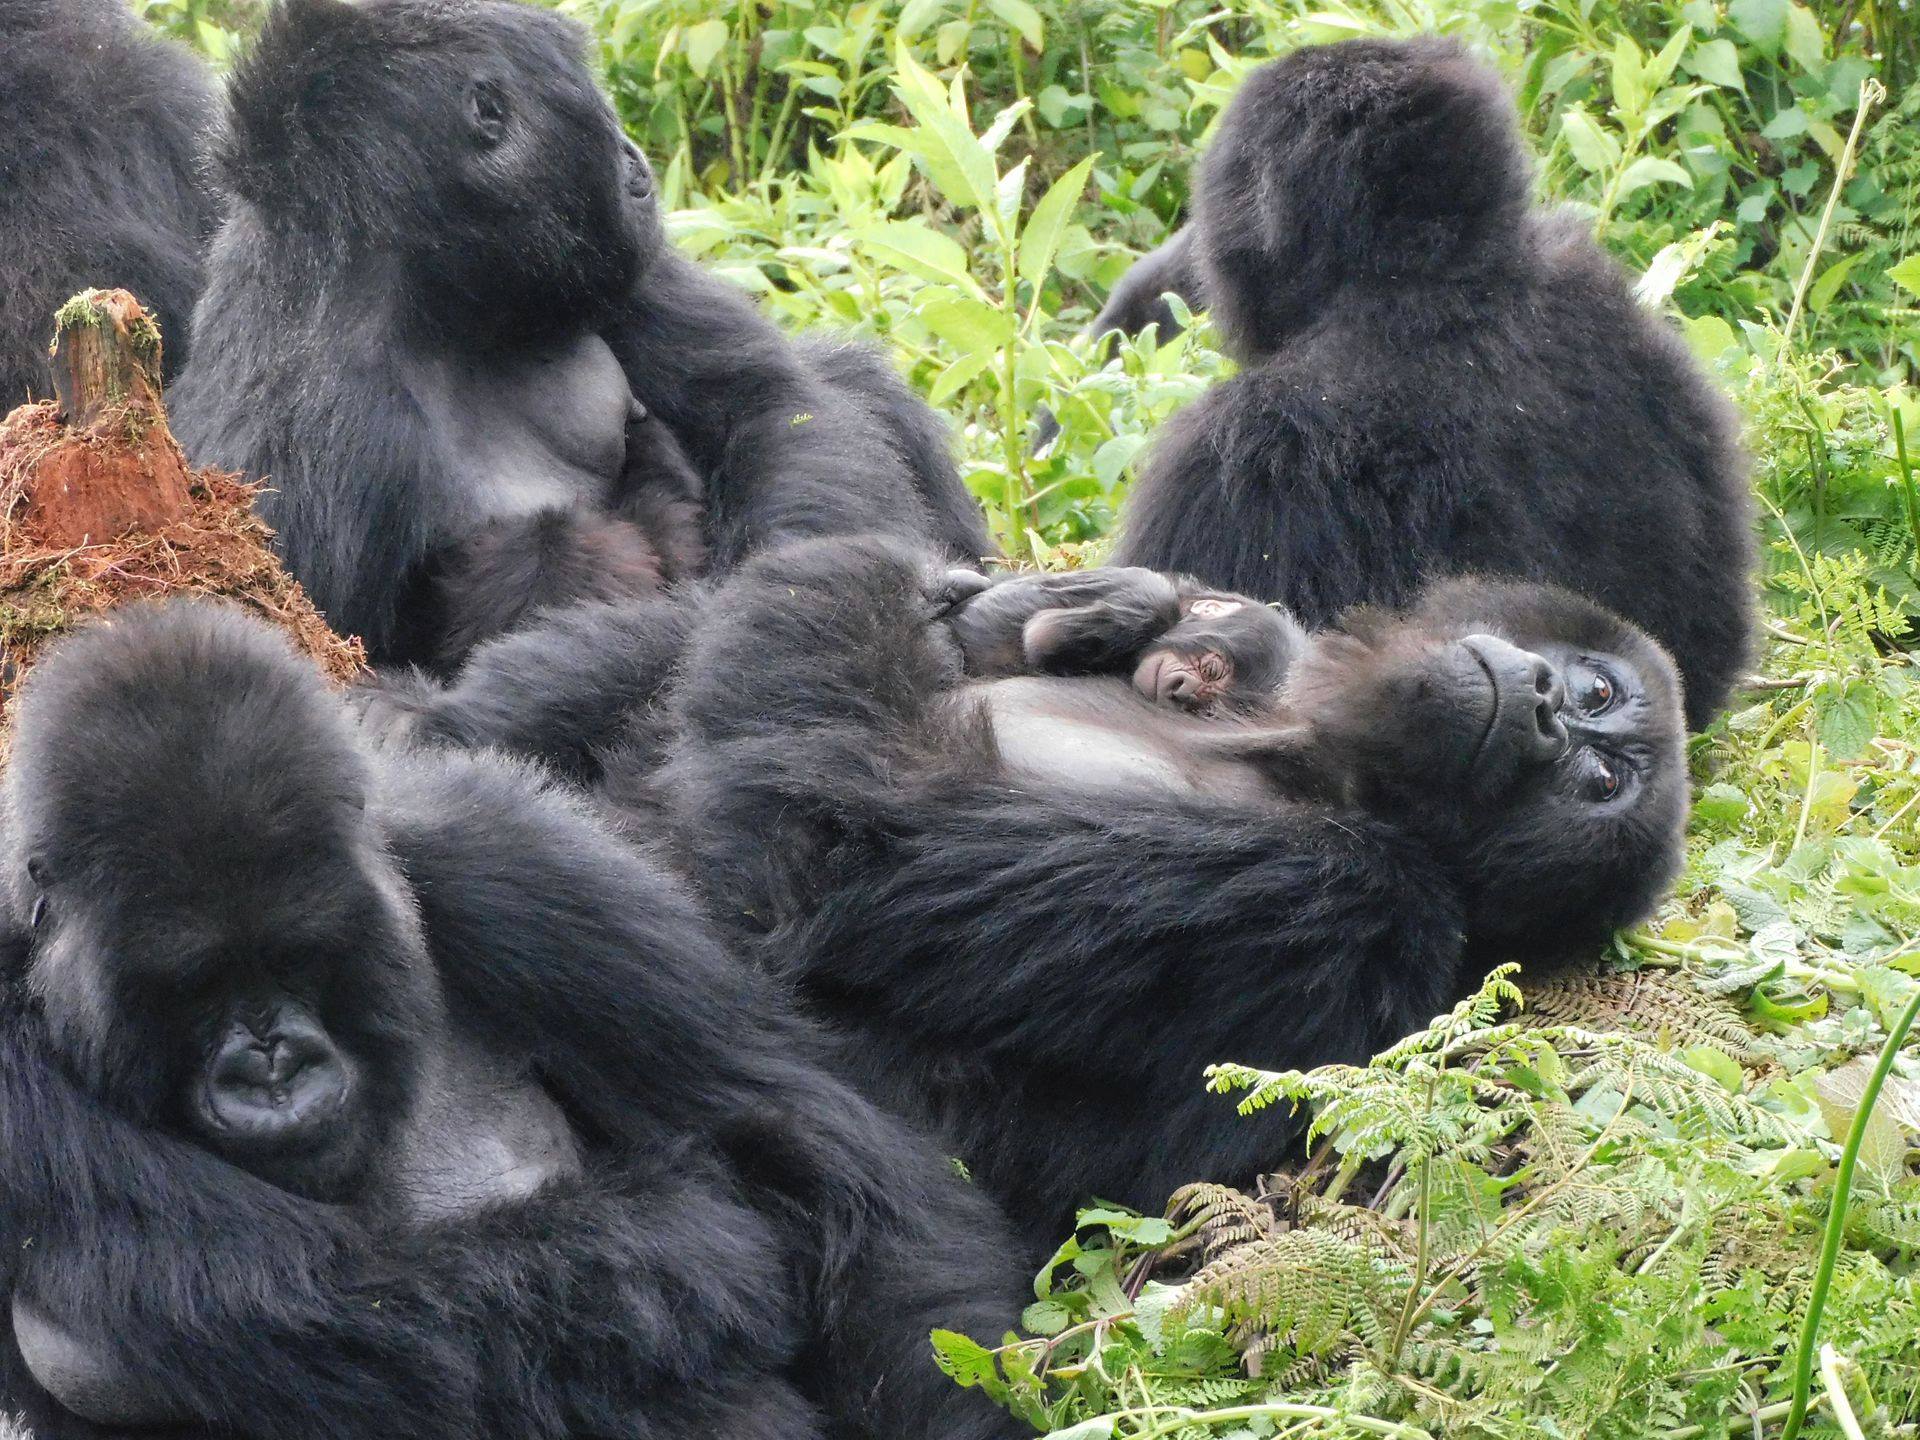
345,1097
442,322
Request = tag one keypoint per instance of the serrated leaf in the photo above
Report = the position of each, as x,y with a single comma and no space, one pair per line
1045,1317
1820,294
965,1361
1040,240
954,159
1764,22
1907,274
969,325
1721,804
1846,722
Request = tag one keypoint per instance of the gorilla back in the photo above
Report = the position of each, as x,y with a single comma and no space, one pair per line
343,1096
99,122
1437,378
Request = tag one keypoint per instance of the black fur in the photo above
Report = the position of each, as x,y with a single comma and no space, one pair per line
1438,378
436,232
99,122
1042,966
745,1247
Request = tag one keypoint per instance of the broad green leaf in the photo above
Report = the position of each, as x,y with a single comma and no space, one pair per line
1040,240
1907,274
1023,18
1721,804
1821,294
1045,1317
956,376
966,1362
1008,192
1594,149
1631,89
920,250
1113,457
1652,170
1002,125
1786,124
1660,68
703,43
916,15
1806,42
1718,63
1764,22
971,326
954,159
1847,721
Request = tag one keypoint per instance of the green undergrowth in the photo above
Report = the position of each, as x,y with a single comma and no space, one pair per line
1604,1206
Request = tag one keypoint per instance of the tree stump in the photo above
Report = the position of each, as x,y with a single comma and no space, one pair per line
98,506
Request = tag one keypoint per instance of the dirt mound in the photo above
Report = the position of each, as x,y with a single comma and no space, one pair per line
105,511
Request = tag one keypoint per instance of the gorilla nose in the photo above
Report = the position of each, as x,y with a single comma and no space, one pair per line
272,1089
1528,695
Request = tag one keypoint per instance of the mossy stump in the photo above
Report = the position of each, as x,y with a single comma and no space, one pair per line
99,508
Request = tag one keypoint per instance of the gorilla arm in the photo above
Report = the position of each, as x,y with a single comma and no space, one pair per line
783,453
185,1287
577,950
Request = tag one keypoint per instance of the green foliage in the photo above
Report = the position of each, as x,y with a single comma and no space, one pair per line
1600,1214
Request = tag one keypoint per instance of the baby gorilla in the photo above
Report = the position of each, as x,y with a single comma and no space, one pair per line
339,1094
1038,907
1200,650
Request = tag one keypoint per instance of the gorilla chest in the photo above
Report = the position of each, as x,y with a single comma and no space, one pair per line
481,1134
526,429
1100,734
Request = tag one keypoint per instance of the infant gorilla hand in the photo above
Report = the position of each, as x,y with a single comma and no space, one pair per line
1183,645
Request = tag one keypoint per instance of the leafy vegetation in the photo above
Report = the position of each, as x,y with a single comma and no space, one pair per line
1603,1211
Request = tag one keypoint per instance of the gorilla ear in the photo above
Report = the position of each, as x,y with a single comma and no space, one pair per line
37,871
487,111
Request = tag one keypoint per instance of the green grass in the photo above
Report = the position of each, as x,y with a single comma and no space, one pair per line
1612,1213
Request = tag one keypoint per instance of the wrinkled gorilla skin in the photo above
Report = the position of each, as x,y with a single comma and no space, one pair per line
1438,378
1040,959
99,120
441,301
692,1228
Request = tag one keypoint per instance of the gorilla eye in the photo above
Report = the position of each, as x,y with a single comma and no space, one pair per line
1213,669
1606,779
1597,694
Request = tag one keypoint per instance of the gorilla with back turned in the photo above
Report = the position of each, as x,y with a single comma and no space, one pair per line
441,310
346,1096
99,123
1437,378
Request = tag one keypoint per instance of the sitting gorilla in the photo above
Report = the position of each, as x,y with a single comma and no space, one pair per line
346,1098
1438,379
441,317
99,120
1036,908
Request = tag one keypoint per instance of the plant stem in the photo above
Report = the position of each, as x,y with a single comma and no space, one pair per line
1872,92
1906,474
1837,1220
1760,1417
1181,1417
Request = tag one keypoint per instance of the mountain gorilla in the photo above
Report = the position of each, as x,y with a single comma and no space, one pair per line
344,1097
99,120
1438,378
1036,908
441,308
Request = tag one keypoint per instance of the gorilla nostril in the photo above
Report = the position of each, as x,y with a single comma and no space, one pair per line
1552,732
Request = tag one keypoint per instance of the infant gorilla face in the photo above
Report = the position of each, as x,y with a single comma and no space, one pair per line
1227,653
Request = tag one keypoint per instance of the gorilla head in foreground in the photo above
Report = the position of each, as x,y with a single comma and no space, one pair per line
1038,907
1437,377
340,1094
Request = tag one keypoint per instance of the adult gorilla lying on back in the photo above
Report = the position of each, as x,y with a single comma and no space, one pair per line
442,322
1036,908
343,1100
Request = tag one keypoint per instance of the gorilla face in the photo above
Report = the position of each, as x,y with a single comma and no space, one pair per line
244,970
467,136
1534,737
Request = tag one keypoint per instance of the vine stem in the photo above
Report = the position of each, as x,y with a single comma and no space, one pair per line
1837,1221
1872,92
